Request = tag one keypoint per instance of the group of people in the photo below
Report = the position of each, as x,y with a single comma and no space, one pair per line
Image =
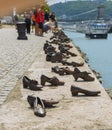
41,20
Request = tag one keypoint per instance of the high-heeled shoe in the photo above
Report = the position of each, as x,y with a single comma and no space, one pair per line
31,84
54,80
39,108
83,75
76,90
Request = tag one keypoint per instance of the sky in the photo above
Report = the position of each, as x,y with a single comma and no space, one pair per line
50,2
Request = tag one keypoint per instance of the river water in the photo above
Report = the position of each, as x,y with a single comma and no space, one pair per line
99,52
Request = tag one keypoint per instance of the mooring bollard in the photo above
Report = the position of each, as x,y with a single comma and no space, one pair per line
21,27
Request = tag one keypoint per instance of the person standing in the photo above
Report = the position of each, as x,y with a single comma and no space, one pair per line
46,15
27,16
33,19
39,21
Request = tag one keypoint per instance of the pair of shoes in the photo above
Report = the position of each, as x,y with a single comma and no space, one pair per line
75,90
54,81
31,84
39,105
47,103
83,75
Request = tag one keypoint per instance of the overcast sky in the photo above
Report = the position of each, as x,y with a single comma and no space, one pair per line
50,2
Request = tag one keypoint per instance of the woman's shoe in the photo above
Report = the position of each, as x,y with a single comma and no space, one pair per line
39,108
54,80
31,84
27,82
47,103
76,90
83,75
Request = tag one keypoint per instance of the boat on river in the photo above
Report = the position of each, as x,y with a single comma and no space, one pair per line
93,28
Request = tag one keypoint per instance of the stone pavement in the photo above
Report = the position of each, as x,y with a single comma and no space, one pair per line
27,57
15,58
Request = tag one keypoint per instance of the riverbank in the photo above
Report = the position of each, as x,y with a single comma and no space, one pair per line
71,113
97,74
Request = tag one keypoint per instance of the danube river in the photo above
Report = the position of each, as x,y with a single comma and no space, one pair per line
99,52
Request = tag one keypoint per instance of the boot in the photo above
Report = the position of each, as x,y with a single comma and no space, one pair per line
83,75
75,90
54,80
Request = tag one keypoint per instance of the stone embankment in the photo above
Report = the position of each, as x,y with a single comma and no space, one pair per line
26,57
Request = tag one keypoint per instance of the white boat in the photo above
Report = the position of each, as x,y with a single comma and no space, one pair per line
93,28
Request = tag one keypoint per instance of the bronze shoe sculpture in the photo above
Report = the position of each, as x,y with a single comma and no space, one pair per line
76,70
68,71
76,90
39,108
65,45
70,53
54,57
31,84
46,45
54,81
64,49
50,49
62,70
74,64
83,75
58,70
47,103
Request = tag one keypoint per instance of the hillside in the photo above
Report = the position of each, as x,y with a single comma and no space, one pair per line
72,8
